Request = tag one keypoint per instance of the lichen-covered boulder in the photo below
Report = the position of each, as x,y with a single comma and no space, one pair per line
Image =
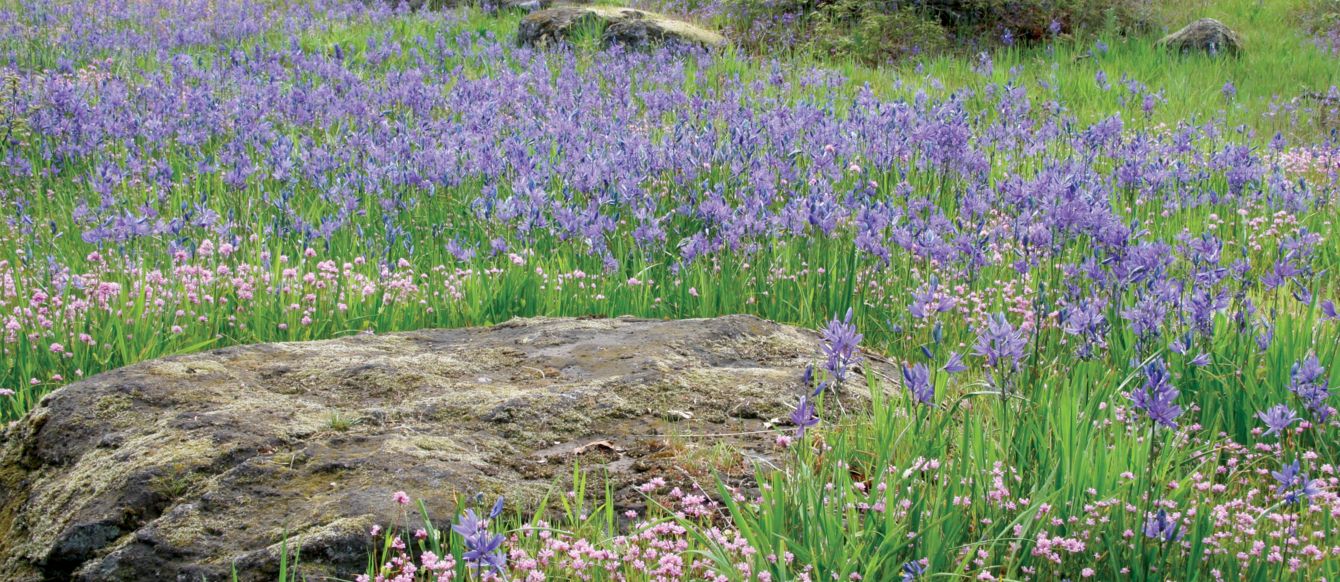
523,5
1206,35
532,5
615,26
185,467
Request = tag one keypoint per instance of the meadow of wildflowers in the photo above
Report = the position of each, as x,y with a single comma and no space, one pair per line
1116,329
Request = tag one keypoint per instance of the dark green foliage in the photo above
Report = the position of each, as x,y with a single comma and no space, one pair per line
880,31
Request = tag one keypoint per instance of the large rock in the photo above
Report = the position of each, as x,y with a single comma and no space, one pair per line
621,26
523,5
182,467
1206,35
533,5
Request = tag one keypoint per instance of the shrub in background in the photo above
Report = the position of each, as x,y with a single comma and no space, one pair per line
1322,19
1036,20
880,31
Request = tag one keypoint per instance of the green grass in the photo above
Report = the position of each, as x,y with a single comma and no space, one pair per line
1280,64
1278,61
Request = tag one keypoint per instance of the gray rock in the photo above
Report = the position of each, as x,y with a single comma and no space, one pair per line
1206,35
616,26
524,5
183,467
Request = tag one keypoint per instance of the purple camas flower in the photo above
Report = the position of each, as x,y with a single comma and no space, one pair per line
1000,341
1229,90
1290,476
954,364
913,571
1148,103
984,65
1307,380
481,547
924,303
804,416
840,342
1157,397
468,524
1158,527
1147,316
482,551
1308,490
1277,418
1264,338
462,253
1328,310
1282,272
917,379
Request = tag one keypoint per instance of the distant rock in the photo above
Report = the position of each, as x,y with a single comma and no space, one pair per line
182,467
524,5
1206,35
533,5
616,26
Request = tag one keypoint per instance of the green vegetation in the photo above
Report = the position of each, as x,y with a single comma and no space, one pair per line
1130,267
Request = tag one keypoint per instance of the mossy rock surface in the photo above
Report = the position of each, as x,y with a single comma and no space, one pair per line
1207,35
182,467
